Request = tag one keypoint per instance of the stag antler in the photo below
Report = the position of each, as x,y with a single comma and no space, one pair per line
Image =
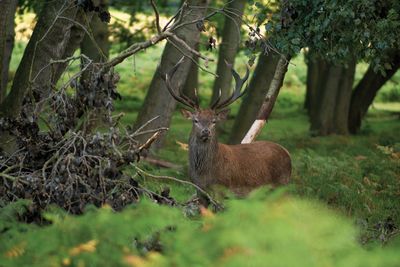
236,93
181,98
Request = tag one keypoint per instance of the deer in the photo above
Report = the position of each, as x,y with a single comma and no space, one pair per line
240,168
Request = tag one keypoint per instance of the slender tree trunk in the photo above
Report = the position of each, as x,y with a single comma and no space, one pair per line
228,49
55,37
269,100
343,98
365,92
158,101
99,51
258,87
7,34
316,68
192,80
96,47
328,105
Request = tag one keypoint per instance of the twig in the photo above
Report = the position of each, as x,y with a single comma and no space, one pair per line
13,178
157,16
161,163
218,205
192,59
44,36
149,141
187,47
144,125
150,131
59,61
87,32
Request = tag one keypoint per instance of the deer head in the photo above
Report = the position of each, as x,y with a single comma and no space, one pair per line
204,120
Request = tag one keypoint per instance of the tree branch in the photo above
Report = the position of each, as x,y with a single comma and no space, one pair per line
269,101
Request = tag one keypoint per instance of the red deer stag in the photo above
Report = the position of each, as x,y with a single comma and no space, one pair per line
240,168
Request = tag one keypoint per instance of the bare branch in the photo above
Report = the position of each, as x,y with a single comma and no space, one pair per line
157,16
214,202
269,101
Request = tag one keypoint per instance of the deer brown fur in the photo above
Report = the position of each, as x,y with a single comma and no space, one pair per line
240,168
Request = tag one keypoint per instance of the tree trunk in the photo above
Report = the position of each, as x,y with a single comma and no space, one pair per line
364,93
269,100
316,68
96,47
343,98
252,101
53,38
228,50
328,105
7,34
158,101
99,51
192,80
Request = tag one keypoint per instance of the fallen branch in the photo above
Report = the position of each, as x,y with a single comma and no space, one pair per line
214,202
161,163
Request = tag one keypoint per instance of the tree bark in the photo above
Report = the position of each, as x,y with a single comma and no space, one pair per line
364,93
158,101
7,34
99,51
252,101
269,100
95,46
316,68
53,38
228,50
192,80
328,105
343,98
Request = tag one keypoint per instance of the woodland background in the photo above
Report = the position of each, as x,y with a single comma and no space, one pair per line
81,84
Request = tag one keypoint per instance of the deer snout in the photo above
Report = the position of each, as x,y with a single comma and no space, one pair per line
205,134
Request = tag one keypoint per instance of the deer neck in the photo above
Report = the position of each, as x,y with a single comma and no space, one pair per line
202,154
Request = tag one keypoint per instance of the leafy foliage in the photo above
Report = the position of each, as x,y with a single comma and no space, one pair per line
324,27
275,231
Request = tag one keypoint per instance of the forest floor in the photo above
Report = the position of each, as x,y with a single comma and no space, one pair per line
341,186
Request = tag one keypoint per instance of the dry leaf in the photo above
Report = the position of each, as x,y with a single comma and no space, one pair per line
66,262
89,246
206,212
360,157
134,261
16,251
183,146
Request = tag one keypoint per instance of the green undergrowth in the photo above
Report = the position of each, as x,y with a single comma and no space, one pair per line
268,229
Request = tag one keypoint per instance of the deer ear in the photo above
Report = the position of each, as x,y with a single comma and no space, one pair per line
223,114
187,114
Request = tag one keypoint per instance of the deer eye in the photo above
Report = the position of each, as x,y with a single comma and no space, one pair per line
214,121
196,121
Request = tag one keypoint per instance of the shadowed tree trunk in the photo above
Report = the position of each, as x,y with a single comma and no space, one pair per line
52,39
7,34
192,80
365,92
258,88
316,68
158,101
328,105
96,47
269,100
228,49
99,51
